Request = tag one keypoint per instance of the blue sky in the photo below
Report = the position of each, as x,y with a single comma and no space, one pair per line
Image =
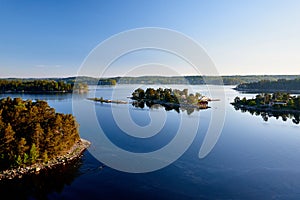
52,38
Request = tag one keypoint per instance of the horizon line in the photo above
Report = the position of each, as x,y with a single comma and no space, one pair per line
107,77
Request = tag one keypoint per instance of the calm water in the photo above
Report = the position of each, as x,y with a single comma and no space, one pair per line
253,158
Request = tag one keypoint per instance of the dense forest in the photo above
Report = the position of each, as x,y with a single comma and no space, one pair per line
170,99
40,86
32,132
271,86
166,95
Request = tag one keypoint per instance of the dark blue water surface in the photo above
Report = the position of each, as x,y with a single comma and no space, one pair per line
253,158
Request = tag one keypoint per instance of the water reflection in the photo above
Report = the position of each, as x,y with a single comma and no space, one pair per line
168,107
284,116
41,185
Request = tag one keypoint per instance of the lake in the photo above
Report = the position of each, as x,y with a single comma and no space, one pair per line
252,158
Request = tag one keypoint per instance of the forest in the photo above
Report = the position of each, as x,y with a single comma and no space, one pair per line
170,96
267,105
277,100
32,132
200,80
40,86
271,86
170,99
167,95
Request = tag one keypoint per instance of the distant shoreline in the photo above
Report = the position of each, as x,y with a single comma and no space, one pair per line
150,80
35,92
266,90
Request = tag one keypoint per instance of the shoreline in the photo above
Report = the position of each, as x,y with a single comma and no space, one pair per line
75,152
204,105
43,92
267,109
251,91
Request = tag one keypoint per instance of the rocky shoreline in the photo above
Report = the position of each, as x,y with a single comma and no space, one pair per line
74,153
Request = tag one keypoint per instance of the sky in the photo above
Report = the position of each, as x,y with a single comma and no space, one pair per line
54,38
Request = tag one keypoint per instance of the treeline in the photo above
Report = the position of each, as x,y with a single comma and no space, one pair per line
40,86
107,81
277,100
32,132
193,80
166,95
200,80
271,86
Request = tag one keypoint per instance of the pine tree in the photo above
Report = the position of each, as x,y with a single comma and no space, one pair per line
37,135
22,147
9,138
33,154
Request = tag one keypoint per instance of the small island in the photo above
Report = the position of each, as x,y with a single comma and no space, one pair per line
101,100
266,104
34,137
169,98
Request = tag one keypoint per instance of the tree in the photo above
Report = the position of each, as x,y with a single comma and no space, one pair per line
252,103
8,138
22,147
37,135
33,154
237,99
138,94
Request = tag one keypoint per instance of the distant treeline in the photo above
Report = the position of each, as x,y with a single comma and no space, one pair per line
271,86
32,132
193,80
40,86
199,80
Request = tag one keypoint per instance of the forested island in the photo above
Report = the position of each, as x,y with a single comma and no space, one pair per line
267,86
278,104
33,136
41,86
169,98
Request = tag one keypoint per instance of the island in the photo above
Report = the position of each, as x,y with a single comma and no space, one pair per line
34,137
102,100
41,86
169,98
268,86
107,81
278,104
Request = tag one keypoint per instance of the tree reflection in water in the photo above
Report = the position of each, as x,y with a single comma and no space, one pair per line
167,106
284,116
41,185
